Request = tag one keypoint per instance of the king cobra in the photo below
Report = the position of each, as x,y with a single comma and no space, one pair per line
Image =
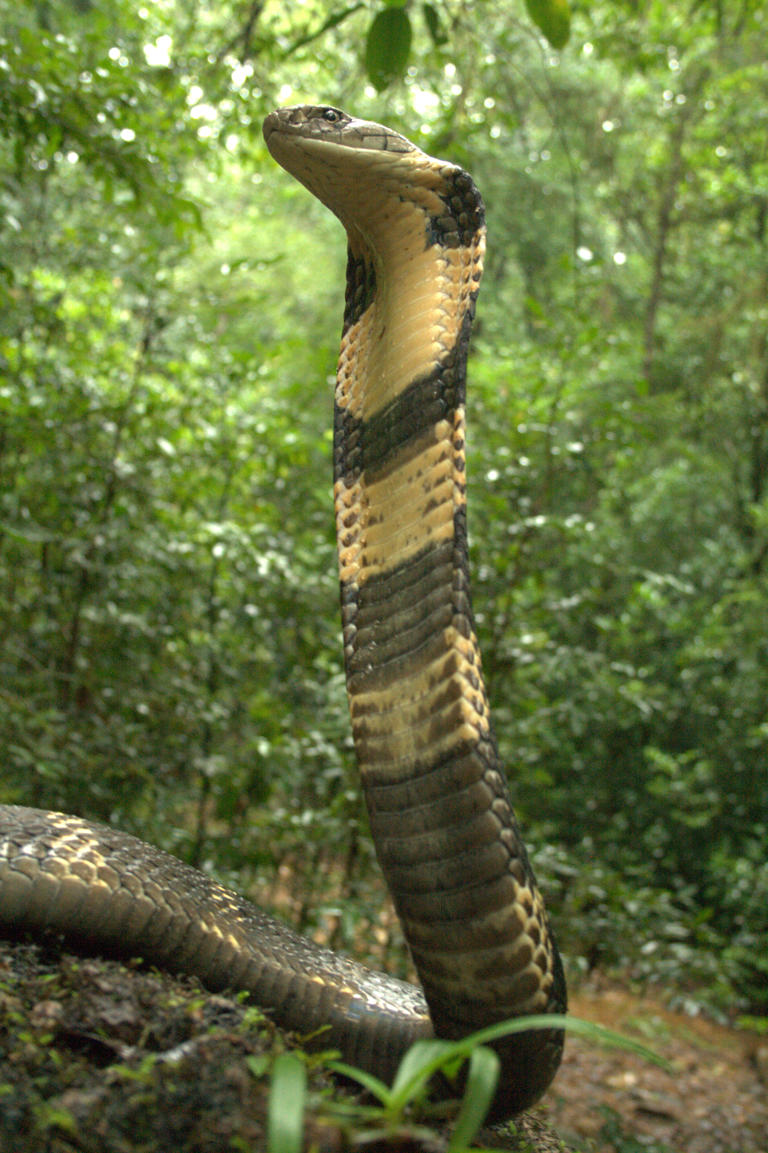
440,812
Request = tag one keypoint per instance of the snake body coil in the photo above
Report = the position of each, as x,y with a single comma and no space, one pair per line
441,817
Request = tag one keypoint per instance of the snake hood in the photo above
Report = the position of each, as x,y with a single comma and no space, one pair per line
365,173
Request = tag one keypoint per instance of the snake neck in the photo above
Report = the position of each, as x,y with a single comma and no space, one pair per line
440,814
400,493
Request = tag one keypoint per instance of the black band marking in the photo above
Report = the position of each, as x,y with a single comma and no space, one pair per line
464,213
361,288
371,444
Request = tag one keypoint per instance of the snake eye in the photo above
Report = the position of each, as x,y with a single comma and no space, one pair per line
331,115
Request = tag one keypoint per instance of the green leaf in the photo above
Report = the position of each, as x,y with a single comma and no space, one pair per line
287,1098
434,27
552,18
388,47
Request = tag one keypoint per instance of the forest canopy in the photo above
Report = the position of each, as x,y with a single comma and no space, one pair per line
170,655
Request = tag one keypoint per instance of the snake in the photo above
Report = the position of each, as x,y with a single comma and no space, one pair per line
441,817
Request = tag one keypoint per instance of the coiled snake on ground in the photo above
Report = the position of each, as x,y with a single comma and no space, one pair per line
443,825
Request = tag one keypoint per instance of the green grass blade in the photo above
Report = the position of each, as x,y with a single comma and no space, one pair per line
482,1079
375,1087
287,1101
587,1029
418,1065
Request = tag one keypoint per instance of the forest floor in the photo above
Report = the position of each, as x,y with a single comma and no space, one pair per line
715,1099
98,1056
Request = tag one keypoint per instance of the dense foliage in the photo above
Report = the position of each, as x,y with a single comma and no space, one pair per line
169,654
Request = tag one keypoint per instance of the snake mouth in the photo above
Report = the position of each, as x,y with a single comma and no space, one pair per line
323,122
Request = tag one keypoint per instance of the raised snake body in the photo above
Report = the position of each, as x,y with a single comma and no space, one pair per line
442,822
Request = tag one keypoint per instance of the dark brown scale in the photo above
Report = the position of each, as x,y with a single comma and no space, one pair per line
465,214
361,289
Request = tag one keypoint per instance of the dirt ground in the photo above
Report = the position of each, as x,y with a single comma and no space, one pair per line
714,1101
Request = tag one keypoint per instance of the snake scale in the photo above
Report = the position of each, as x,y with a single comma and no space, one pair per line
445,833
